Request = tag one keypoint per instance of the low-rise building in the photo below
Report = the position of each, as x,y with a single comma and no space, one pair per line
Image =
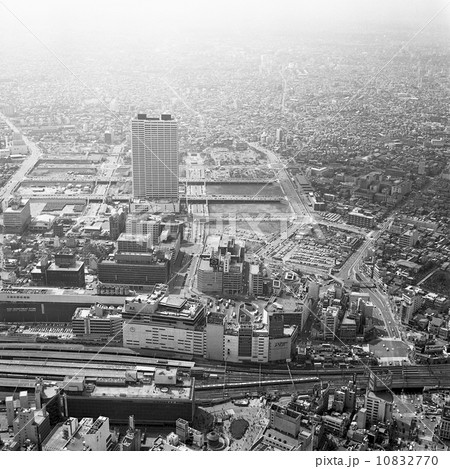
360,219
83,435
98,320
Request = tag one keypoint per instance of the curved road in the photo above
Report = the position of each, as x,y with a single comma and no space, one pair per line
27,164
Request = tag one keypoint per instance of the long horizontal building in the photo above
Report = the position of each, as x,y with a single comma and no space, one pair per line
141,260
28,304
177,325
155,396
136,270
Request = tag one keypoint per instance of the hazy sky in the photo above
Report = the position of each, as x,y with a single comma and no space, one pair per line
149,18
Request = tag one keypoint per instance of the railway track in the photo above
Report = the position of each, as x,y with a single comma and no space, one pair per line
56,360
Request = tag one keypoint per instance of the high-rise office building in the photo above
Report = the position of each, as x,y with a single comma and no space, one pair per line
154,150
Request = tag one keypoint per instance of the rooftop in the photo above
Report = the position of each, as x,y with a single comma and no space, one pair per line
78,265
381,395
30,291
163,117
57,442
183,390
173,301
106,313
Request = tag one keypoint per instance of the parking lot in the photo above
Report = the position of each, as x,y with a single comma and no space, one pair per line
45,330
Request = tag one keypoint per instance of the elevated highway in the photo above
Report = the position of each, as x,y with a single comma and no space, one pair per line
232,198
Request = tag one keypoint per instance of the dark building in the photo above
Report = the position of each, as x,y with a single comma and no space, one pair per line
165,397
52,304
245,340
58,229
65,271
276,325
117,222
134,269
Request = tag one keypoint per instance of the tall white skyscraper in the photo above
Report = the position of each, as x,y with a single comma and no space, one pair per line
154,152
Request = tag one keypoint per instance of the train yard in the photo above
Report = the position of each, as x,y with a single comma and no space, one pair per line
21,363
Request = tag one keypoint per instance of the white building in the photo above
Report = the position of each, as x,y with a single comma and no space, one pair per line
144,224
378,406
256,280
17,216
170,323
330,322
412,300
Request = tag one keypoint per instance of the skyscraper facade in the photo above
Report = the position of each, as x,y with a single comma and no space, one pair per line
154,150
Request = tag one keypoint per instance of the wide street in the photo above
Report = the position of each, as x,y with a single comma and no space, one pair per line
298,205
27,164
381,302
303,215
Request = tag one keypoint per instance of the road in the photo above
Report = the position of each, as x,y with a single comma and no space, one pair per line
380,300
351,266
299,205
28,163
198,237
8,188
110,169
303,214
340,226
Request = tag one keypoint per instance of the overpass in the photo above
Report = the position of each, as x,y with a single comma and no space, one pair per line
75,198
228,181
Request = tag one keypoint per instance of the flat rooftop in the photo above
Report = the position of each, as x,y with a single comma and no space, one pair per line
48,291
81,313
173,301
147,391
162,117
57,442
288,331
138,238
273,434
382,395
78,265
212,242
204,265
289,305
180,308
348,321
